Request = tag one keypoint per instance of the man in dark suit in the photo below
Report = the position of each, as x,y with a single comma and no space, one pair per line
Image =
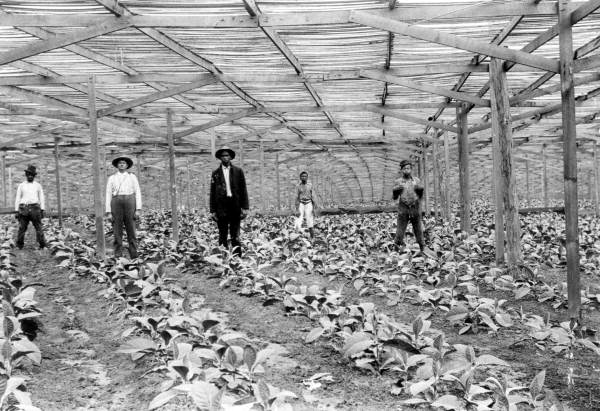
228,199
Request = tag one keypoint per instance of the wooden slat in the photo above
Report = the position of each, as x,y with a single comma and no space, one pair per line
450,40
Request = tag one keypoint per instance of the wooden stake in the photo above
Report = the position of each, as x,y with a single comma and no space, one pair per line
3,166
570,157
425,177
213,148
262,176
172,177
463,168
500,109
241,152
545,175
189,185
98,205
447,213
11,195
278,187
528,194
58,188
436,177
596,180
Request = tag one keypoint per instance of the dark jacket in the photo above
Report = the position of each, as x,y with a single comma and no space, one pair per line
218,190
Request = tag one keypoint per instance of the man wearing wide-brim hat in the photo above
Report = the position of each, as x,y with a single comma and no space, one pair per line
30,205
228,199
123,202
408,191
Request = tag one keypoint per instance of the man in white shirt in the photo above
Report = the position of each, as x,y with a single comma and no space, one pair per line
123,202
30,205
305,204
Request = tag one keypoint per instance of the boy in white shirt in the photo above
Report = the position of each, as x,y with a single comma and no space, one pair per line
123,201
29,206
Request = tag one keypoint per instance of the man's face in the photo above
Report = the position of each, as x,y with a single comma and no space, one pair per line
29,176
406,170
122,165
225,158
304,177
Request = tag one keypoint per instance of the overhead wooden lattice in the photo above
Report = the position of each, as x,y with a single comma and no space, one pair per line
344,88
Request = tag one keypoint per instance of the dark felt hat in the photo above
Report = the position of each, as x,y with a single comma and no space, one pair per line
405,163
123,158
31,170
222,150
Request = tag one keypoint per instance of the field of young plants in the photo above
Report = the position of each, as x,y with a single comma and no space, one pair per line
341,322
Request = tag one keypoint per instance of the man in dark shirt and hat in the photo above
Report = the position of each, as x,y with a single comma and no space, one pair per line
29,206
123,202
408,191
228,199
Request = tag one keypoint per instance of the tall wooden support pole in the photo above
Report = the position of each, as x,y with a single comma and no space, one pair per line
528,193
278,186
501,119
570,157
241,152
498,196
11,194
545,174
3,167
57,176
436,177
425,176
262,175
140,168
98,206
447,202
189,184
596,180
172,178
463,168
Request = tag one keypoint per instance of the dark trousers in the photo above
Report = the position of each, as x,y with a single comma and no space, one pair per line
33,213
228,222
410,214
123,210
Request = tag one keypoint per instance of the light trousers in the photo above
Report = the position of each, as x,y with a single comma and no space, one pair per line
306,212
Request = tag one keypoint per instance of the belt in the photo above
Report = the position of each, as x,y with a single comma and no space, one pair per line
123,195
29,205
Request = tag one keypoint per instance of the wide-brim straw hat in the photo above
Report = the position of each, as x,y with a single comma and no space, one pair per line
223,149
405,163
129,161
31,170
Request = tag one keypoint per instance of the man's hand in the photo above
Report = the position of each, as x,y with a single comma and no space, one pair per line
42,213
213,216
243,214
136,215
109,216
16,215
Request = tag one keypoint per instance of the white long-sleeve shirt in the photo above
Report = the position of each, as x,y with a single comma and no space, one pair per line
123,184
227,183
30,193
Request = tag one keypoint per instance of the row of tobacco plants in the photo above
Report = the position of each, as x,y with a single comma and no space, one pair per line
206,366
20,321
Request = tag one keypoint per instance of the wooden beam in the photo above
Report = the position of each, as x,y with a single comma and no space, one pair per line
98,189
410,118
159,95
463,170
457,95
214,123
58,185
63,40
498,189
570,159
172,179
450,40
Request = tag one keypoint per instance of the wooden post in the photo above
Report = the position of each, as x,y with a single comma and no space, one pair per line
463,168
189,184
497,193
98,190
140,178
241,152
528,194
262,175
58,186
436,177
278,187
213,148
11,194
570,157
545,175
596,179
502,119
447,202
425,176
3,166
172,177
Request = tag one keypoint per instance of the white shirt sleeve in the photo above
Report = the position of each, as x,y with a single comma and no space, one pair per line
18,198
138,192
42,198
109,184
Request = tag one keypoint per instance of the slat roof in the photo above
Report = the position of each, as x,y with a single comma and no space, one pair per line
344,99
